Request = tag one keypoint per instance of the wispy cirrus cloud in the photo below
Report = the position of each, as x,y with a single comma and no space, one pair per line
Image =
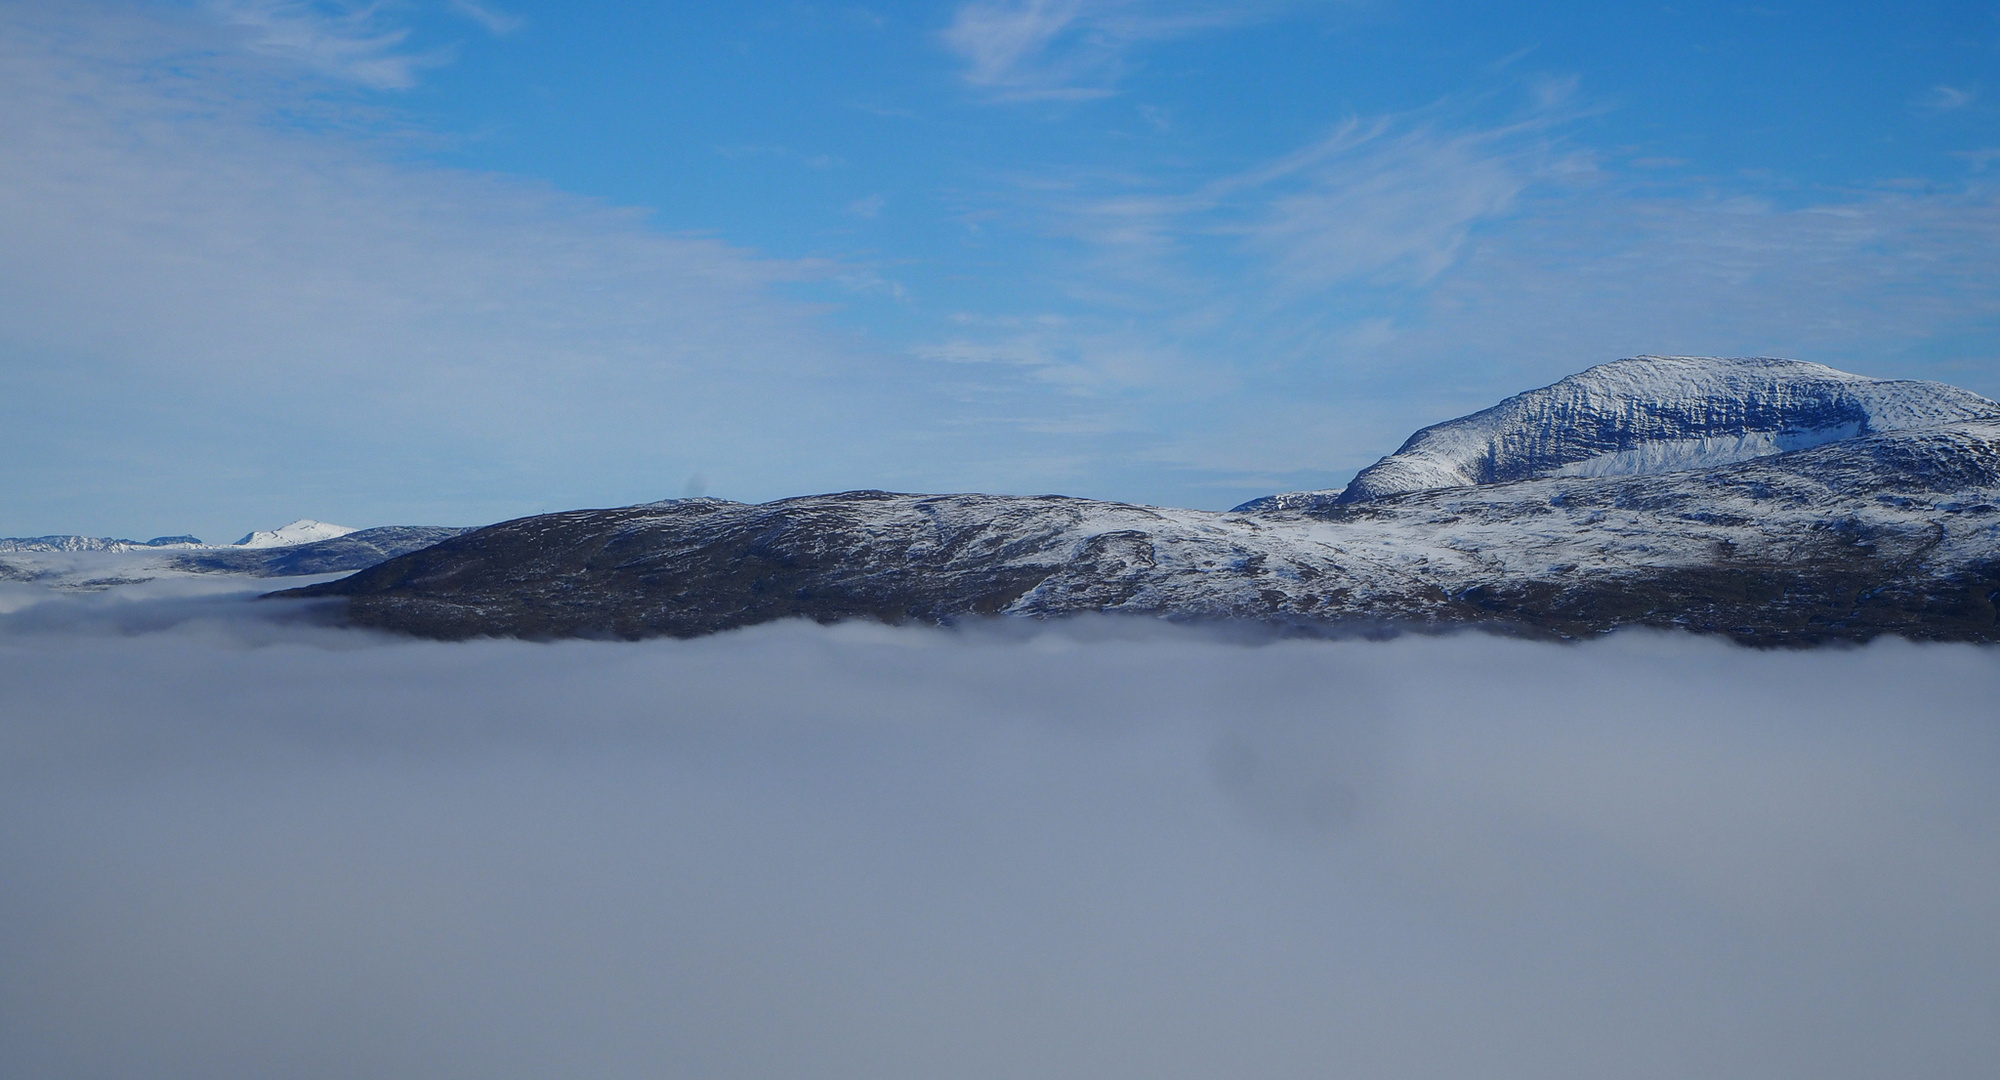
1946,98
1979,159
495,21
362,42
1003,43
1040,50
1387,201
1385,204
369,42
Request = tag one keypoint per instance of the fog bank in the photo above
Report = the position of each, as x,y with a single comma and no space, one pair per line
239,846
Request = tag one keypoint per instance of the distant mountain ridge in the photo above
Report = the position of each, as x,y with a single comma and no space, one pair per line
91,543
302,531
52,560
352,549
1882,517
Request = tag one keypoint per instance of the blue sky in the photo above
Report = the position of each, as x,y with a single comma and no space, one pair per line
446,261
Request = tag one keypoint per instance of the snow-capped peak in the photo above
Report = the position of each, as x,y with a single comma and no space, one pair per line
302,531
1653,414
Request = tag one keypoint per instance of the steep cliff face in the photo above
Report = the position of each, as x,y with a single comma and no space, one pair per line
1648,415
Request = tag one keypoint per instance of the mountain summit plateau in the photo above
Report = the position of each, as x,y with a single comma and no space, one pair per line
1652,414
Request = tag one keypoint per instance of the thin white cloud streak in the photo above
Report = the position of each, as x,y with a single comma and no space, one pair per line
1041,50
1106,850
1946,98
356,40
1978,160
496,22
1382,203
996,41
1395,215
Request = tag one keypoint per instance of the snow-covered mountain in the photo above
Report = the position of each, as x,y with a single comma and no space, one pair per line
1651,414
354,549
82,562
302,531
66,542
1770,500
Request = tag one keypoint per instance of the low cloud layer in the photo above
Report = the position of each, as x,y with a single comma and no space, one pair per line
237,845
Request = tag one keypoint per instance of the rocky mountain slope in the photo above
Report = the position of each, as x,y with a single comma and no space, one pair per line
1884,519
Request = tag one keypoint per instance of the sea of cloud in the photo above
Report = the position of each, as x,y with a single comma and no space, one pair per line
237,843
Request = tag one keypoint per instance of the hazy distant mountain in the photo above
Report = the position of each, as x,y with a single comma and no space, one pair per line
1770,500
68,562
302,531
351,549
91,543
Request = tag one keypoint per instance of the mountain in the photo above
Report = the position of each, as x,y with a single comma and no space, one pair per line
1651,414
13,544
302,531
1772,501
80,562
353,549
